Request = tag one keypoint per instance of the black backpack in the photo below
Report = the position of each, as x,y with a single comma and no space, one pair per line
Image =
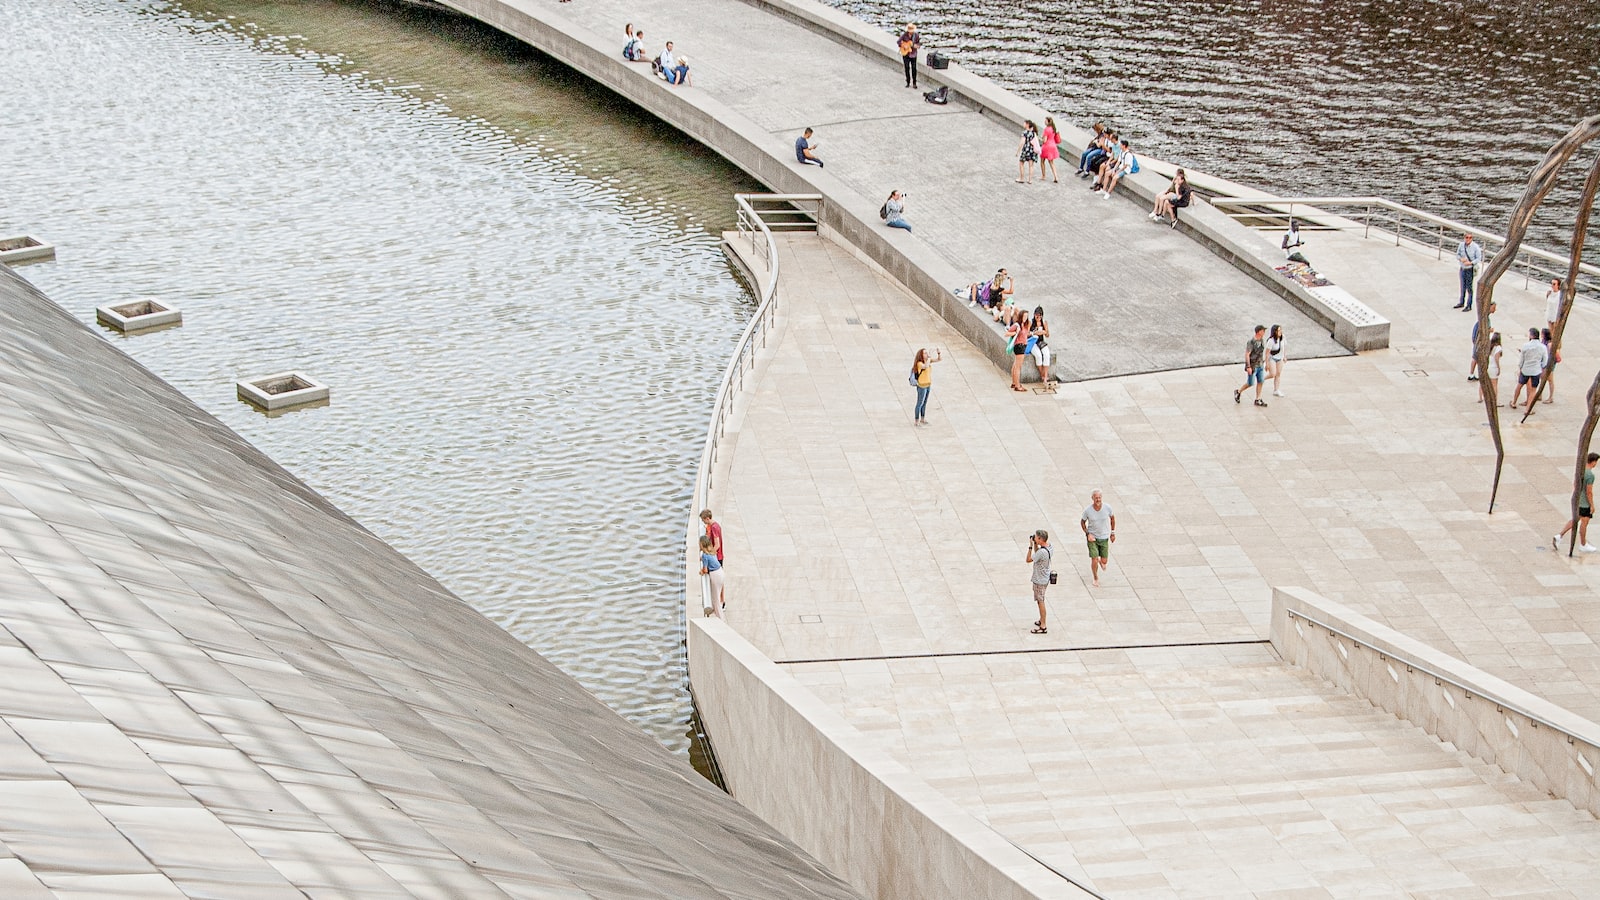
939,97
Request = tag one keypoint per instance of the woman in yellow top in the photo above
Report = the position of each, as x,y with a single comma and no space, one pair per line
922,377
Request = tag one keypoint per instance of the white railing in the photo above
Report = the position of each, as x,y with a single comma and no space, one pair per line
788,212
1404,223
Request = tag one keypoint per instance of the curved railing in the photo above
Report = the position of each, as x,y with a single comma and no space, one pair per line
789,213
1403,222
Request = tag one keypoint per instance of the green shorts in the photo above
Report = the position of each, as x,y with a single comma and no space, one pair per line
1099,547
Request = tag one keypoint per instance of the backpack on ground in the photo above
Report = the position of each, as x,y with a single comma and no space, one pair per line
939,97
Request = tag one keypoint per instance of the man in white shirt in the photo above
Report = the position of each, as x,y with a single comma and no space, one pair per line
1470,256
1099,525
1534,357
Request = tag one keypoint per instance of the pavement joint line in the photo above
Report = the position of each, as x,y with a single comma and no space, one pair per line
868,119
956,653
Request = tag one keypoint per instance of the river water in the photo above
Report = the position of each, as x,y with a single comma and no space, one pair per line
1440,104
512,282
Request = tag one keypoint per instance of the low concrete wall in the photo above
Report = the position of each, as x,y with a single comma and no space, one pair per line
1552,749
1352,325
799,765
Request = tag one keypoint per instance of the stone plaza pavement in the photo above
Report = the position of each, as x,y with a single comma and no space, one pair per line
1140,297
883,564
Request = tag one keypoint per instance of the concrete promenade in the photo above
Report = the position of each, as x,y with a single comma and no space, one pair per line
1135,296
893,554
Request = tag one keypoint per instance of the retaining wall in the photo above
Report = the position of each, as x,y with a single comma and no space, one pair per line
1493,720
799,765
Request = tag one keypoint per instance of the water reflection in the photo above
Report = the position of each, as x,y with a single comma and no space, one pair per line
511,281
1436,104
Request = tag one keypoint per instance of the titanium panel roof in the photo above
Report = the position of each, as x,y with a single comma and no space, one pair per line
215,684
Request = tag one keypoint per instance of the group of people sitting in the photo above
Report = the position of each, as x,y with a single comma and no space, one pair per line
668,65
1027,333
1106,160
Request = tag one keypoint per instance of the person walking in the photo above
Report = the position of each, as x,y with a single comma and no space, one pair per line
1496,351
1099,525
805,151
1039,555
1469,255
1585,509
712,569
910,46
922,377
1532,360
1049,149
893,211
1275,359
1028,153
1551,357
1255,352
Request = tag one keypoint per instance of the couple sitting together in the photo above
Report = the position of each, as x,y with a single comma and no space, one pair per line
996,296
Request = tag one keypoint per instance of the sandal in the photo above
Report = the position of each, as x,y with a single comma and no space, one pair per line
1261,403
1022,389
1041,631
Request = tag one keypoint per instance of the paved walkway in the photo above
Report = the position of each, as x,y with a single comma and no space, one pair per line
854,535
1137,297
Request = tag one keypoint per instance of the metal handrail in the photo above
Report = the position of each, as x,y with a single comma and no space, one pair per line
765,248
1468,690
1421,228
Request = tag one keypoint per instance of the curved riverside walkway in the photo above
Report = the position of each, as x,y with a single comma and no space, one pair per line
1136,296
881,565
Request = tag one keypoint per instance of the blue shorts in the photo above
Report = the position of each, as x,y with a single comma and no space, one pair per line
1258,375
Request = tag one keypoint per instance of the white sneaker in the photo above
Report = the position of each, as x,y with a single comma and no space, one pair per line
1152,217
1106,196
1588,548
1555,543
1277,393
1099,191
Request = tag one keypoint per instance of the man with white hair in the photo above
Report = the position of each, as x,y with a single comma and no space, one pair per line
1100,528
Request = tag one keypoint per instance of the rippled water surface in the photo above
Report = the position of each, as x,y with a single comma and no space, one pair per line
1438,104
512,283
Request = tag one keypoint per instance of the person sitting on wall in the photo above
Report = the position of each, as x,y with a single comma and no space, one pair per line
672,68
634,50
988,294
1126,163
1291,244
805,151
1093,153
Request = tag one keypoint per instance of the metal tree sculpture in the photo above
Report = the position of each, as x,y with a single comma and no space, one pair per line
1540,183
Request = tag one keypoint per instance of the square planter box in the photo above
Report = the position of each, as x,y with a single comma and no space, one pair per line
138,315
19,248
281,391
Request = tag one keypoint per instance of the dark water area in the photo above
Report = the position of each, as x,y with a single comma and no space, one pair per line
512,281
1444,106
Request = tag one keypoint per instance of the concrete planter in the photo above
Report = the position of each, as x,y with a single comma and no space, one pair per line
138,316
282,391
20,248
